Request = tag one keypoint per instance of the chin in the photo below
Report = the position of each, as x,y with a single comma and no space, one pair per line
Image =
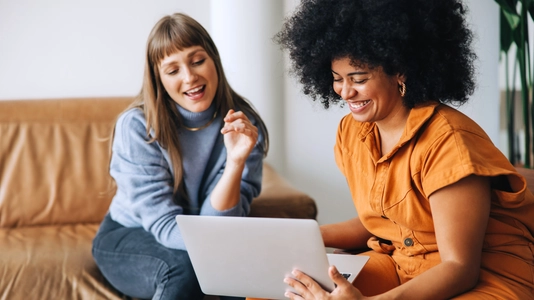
201,106
359,118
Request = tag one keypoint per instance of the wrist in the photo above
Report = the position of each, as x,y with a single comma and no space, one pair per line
235,165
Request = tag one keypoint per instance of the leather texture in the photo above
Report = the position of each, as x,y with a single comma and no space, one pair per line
55,189
529,176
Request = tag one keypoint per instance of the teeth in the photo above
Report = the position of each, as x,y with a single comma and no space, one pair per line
195,90
358,104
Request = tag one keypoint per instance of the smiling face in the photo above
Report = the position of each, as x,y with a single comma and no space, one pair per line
371,94
190,78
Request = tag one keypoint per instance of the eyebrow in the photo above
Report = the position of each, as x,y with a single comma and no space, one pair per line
195,52
352,73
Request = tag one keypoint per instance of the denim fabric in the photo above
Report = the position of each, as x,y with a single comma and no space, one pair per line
138,266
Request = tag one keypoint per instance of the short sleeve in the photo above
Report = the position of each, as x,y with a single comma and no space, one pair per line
456,153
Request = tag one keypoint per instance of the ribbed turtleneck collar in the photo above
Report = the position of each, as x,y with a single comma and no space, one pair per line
196,119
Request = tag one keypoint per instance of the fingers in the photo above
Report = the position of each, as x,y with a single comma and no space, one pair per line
233,115
344,289
336,277
238,122
289,294
296,285
305,287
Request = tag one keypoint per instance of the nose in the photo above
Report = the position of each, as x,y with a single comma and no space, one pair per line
347,91
189,75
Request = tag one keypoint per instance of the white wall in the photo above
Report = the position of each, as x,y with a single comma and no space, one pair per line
243,31
483,107
65,48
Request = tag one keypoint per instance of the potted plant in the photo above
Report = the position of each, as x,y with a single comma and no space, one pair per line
514,40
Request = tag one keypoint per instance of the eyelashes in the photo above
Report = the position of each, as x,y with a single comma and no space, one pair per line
199,62
194,64
352,80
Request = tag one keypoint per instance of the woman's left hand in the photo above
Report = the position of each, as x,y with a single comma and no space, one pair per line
240,135
309,289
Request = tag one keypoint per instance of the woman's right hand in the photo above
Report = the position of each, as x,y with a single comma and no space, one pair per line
240,136
309,289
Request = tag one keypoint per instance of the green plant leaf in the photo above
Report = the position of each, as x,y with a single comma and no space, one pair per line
518,38
525,25
520,33
506,34
512,18
508,5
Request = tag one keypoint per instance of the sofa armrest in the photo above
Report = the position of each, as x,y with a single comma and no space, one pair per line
279,199
529,177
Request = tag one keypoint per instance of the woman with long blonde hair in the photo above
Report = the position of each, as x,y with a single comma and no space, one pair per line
189,144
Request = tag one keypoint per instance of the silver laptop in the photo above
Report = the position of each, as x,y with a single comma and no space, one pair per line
250,257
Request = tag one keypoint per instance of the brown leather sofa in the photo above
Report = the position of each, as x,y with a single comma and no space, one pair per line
55,189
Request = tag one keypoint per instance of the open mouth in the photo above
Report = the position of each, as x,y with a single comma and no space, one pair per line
358,104
195,91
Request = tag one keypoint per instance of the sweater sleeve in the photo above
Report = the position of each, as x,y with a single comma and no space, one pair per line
251,180
250,188
144,181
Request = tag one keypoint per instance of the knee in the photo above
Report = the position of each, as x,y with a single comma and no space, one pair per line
179,266
178,278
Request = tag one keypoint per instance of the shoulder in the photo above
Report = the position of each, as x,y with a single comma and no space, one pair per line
448,121
131,118
451,146
449,126
131,127
435,121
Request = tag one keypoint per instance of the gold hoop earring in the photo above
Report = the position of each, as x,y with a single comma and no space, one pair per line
402,89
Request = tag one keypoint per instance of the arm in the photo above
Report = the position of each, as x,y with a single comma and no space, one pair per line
144,195
240,137
350,234
460,213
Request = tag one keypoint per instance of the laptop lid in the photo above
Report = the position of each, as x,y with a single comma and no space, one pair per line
250,257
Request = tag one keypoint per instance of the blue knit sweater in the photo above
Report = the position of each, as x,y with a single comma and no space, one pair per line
144,177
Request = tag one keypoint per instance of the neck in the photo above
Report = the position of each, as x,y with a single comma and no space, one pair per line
391,129
395,123
203,126
195,121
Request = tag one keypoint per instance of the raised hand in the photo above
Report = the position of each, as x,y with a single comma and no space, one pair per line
240,136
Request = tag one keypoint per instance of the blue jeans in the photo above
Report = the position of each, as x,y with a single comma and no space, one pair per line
138,266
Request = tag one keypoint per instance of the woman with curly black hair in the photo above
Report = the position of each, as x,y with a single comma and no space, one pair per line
444,213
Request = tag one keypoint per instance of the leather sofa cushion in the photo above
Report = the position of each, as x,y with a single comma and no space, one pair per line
54,157
51,262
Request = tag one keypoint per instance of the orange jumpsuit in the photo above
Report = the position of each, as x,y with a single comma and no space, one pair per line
439,146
